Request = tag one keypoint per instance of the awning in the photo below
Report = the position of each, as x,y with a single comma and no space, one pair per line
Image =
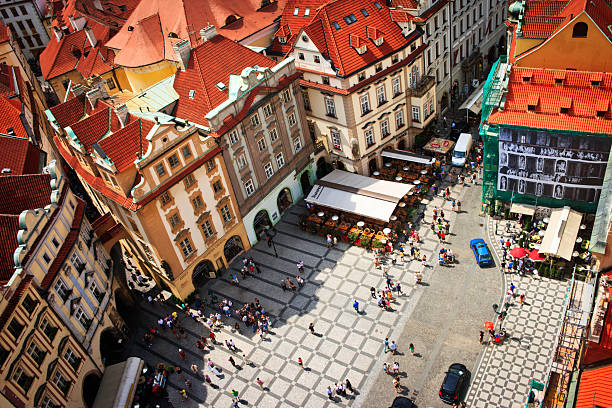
474,101
407,156
522,209
560,236
119,384
439,145
360,195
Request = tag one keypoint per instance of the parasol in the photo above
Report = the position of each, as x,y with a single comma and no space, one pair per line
519,253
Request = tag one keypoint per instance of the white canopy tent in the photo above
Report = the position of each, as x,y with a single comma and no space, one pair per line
357,194
526,209
561,233
407,156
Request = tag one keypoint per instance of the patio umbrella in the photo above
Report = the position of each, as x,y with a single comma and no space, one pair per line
519,253
489,325
536,256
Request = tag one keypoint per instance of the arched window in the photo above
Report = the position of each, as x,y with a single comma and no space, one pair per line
231,18
580,30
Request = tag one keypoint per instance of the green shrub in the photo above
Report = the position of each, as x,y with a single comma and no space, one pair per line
376,244
352,237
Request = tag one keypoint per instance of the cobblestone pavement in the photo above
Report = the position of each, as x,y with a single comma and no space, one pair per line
503,378
347,345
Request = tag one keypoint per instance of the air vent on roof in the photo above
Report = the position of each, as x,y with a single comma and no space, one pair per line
601,114
191,93
595,83
221,86
6,171
526,79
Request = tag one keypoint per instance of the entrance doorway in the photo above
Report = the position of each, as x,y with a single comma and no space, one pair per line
284,200
401,145
261,223
111,348
372,166
305,182
91,384
201,273
232,248
340,165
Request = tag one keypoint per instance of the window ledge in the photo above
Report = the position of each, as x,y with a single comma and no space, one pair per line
366,112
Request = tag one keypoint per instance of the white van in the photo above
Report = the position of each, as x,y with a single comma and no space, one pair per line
462,149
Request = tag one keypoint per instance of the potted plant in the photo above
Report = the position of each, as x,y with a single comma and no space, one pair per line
364,241
376,243
352,237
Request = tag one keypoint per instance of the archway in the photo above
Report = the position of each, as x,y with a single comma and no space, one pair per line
261,223
111,346
401,145
444,100
340,165
91,384
372,165
232,248
305,182
202,272
284,200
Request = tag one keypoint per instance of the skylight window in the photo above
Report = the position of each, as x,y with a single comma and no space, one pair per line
307,12
296,11
350,19
377,4
364,12
336,25
191,93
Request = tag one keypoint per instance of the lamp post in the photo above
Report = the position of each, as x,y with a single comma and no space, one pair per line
270,234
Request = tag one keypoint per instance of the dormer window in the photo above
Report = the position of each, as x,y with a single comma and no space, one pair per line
596,79
527,79
282,40
358,43
336,25
296,11
364,12
601,113
564,111
306,12
595,83
558,81
377,5
361,76
350,19
375,35
531,108
362,50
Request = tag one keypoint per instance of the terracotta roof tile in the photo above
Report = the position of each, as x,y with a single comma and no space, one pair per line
401,16
26,192
183,19
210,63
336,44
9,227
15,299
88,131
5,33
541,26
551,97
69,112
292,24
123,146
19,155
595,388
10,111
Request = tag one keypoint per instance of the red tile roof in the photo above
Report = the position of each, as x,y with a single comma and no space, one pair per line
19,155
541,26
123,146
69,112
595,388
5,33
405,4
26,192
9,227
10,117
401,16
210,63
168,21
67,245
93,128
72,50
15,299
336,44
542,91
290,24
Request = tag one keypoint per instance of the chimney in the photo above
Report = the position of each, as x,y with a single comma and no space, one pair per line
208,32
182,49
58,33
93,96
90,36
122,113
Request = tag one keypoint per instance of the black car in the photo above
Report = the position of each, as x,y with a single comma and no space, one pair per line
454,383
402,402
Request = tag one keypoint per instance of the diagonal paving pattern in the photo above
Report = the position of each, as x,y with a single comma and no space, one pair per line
503,378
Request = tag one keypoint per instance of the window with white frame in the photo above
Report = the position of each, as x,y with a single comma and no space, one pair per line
280,160
297,144
37,354
95,291
267,110
268,169
233,136
241,161
364,101
384,128
255,120
61,288
249,187
160,169
369,137
425,110
291,120
226,213
273,135
416,114
431,106
47,402
75,260
335,138
381,96
330,106
414,76
186,247
397,86
81,317
399,119
261,144
72,359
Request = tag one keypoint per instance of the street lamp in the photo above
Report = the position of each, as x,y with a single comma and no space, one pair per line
270,234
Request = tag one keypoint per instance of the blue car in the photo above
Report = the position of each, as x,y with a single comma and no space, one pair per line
481,252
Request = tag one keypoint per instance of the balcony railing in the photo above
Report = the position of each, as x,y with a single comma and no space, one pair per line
421,88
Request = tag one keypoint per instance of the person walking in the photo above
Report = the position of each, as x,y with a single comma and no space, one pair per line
373,292
481,338
398,288
386,343
395,367
508,297
182,354
386,368
232,361
329,393
349,386
512,287
522,298
311,328
259,382
458,206
393,347
179,372
300,266
300,362
246,360
194,368
396,384
183,394
411,348
356,305
283,285
188,383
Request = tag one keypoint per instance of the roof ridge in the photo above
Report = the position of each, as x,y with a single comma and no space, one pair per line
195,61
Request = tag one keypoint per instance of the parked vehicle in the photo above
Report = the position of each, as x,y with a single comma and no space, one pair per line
481,252
454,383
462,149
